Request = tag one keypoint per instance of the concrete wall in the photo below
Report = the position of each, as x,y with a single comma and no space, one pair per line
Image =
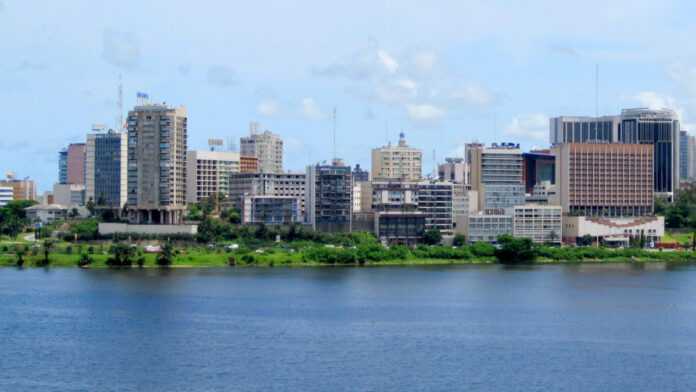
124,228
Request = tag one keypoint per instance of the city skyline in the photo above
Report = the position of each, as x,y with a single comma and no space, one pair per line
442,76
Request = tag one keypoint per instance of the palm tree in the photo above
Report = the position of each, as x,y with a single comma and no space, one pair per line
20,252
47,246
164,259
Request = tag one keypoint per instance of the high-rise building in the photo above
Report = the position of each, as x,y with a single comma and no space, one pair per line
267,184
329,197
106,169
157,140
496,174
360,175
684,160
399,162
659,128
454,170
6,195
248,164
540,223
266,146
691,174
24,189
270,210
538,167
71,164
605,179
575,129
435,201
208,173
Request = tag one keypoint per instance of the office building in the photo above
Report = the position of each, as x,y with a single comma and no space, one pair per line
329,197
157,140
360,175
487,226
435,201
691,174
394,196
683,155
659,128
24,189
270,210
71,164
267,184
208,173
540,223
106,169
454,170
248,164
400,227
399,162
69,194
579,129
497,174
265,146
605,179
538,166
616,231
543,193
6,195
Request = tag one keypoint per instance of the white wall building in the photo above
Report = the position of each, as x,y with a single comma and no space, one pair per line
69,194
6,195
208,173
266,146
613,229
399,162
540,223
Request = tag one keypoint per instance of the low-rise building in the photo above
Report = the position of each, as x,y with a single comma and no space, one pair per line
24,189
540,223
267,184
6,195
403,228
613,230
487,226
69,194
270,210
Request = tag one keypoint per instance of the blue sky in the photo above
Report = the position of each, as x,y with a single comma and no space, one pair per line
444,72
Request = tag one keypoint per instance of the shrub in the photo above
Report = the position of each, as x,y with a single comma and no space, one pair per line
459,240
515,250
84,260
482,249
432,237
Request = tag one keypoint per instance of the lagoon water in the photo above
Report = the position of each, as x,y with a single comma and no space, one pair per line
472,328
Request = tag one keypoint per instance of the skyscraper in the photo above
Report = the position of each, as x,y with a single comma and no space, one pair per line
454,170
71,164
579,129
328,201
683,155
208,173
399,162
157,141
106,168
267,147
496,173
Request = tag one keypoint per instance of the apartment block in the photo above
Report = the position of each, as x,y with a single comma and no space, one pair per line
270,210
435,200
540,223
6,195
157,141
497,176
24,189
329,197
487,226
399,162
267,184
208,173
454,170
605,179
248,164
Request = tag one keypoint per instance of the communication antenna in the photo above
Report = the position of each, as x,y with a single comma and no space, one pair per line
119,117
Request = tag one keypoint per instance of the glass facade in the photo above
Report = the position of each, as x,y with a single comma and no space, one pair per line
107,170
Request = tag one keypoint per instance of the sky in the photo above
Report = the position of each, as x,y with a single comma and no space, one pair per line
443,72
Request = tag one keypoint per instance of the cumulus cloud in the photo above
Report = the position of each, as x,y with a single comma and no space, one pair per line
268,108
399,91
424,112
388,61
121,49
654,100
310,109
532,127
221,76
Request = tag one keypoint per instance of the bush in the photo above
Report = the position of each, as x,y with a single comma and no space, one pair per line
432,237
459,240
515,250
68,250
84,260
482,249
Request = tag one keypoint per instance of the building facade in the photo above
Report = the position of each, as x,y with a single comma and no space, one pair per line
614,230
683,155
578,129
208,173
540,223
399,162
497,175
605,179
157,141
6,195
267,184
487,226
538,167
270,210
400,227
360,175
69,194
435,200
328,200
265,146
106,168
454,170
24,189
71,164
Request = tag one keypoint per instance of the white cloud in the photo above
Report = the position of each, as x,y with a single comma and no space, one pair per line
268,108
407,84
425,112
654,100
424,60
311,110
532,127
400,91
221,76
120,49
387,61
473,95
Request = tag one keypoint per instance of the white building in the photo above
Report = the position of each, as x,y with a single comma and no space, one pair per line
617,230
208,173
6,195
454,170
540,223
399,162
267,147
69,194
488,226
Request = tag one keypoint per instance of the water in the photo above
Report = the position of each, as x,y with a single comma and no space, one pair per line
551,328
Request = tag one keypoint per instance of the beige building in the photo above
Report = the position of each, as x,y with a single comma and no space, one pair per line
399,162
605,179
496,173
208,173
266,146
157,139
267,184
21,189
540,223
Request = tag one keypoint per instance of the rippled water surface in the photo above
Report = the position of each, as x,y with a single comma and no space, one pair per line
551,328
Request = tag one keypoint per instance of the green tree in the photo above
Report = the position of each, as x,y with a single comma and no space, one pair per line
459,240
166,256
20,251
432,237
515,250
90,207
121,255
46,246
